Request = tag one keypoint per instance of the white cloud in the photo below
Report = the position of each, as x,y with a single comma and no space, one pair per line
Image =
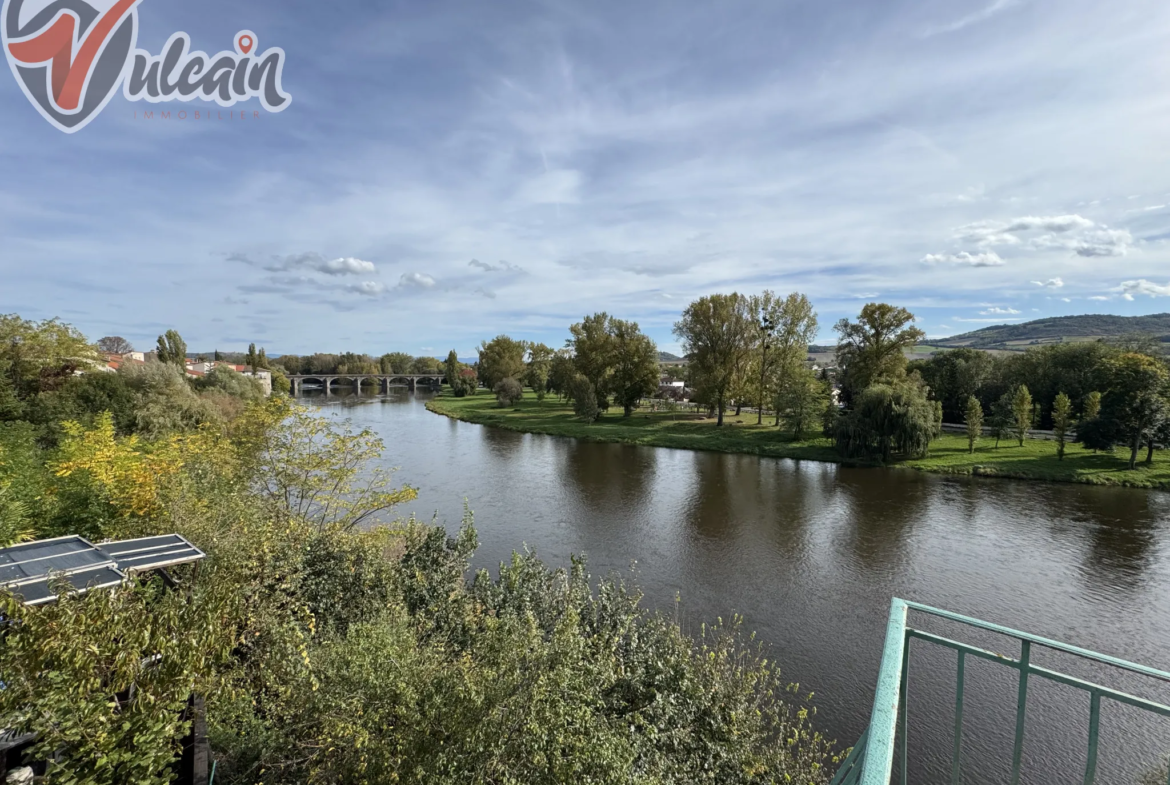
1051,283
1061,232
996,311
988,321
367,288
502,267
416,281
985,259
1130,289
346,266
1100,297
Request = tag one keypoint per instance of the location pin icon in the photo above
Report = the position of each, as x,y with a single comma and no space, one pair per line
245,41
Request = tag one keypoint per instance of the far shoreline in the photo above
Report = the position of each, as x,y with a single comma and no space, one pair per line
1036,461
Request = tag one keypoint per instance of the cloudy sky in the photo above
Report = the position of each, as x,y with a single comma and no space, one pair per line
449,171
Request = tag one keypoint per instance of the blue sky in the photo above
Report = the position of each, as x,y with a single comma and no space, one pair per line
449,171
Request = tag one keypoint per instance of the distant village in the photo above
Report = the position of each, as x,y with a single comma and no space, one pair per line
195,368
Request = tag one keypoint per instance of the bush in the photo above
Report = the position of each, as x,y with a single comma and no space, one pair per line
232,382
508,391
584,399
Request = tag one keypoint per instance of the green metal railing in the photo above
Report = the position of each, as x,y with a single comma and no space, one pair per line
871,762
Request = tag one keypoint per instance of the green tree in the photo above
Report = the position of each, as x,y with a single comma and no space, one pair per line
281,383
584,398
871,349
252,359
888,419
1002,418
796,327
717,334
802,402
635,371
451,368
508,392
395,362
1092,405
592,347
536,375
974,420
1134,406
262,360
41,356
561,373
1021,413
172,349
501,358
425,365
1061,422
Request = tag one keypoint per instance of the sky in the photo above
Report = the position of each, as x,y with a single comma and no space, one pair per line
450,171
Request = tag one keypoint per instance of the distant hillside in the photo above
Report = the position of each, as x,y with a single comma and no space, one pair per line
667,357
1058,329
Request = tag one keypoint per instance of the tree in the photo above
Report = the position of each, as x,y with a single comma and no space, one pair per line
281,383
954,376
172,349
508,391
888,419
466,383
499,359
974,420
872,349
252,359
262,360
635,371
1061,422
561,373
395,362
536,375
592,347
217,357
426,365
796,327
41,356
716,332
1021,412
451,368
115,344
1134,406
1092,405
802,402
1002,418
584,399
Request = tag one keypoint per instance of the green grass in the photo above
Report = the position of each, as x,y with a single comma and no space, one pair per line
1036,460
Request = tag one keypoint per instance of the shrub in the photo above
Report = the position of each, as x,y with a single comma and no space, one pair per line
508,391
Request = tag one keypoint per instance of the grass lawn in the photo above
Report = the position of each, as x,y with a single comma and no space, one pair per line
1036,460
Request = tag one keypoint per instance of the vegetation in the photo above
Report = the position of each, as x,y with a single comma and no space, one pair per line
1061,328
716,335
974,421
501,358
329,641
508,391
1062,421
871,350
888,419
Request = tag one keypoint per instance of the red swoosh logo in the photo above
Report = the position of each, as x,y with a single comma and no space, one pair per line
56,44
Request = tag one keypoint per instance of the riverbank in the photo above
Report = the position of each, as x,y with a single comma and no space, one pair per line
1036,460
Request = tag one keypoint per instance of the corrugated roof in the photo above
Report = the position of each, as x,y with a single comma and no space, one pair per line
29,568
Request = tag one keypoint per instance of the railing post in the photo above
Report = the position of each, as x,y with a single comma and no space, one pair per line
1021,710
957,760
883,722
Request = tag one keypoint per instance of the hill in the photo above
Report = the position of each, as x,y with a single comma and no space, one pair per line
667,357
1059,329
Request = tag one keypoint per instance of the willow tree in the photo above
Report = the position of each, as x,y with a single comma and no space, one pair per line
888,420
717,336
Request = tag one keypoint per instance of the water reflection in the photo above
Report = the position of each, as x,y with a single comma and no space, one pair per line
812,553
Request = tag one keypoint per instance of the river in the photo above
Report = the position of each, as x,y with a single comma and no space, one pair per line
810,554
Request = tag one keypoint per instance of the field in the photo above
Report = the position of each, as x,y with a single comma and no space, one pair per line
1036,460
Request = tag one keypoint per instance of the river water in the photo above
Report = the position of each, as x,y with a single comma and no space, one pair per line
810,554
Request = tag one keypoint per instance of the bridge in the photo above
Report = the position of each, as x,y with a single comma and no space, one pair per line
385,380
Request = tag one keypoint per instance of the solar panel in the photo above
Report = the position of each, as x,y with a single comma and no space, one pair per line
29,569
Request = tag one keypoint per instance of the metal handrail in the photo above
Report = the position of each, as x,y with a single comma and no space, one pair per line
871,762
